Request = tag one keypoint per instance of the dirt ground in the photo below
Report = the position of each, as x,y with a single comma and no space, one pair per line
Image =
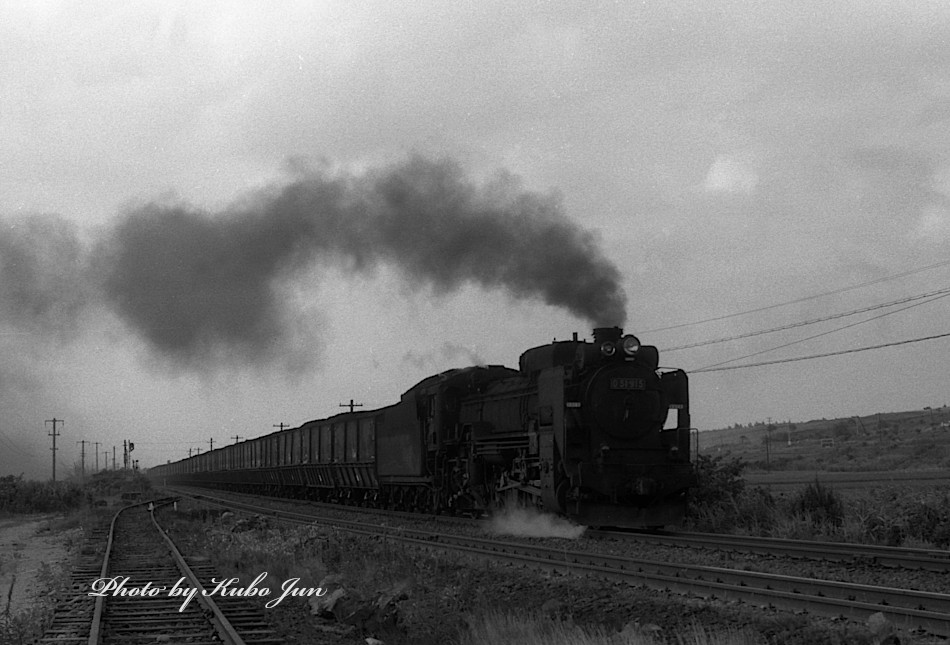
27,548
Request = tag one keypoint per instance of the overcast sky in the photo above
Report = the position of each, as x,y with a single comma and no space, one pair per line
218,217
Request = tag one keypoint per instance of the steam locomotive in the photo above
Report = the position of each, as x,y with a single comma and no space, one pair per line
580,429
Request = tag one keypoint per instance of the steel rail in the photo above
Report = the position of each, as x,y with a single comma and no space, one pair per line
222,625
889,556
903,607
223,628
94,629
912,618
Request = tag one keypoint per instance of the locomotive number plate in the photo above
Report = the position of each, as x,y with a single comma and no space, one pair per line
628,384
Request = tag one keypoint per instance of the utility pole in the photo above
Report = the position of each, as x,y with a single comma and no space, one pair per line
236,438
83,457
125,454
113,457
282,426
97,456
210,444
350,405
53,434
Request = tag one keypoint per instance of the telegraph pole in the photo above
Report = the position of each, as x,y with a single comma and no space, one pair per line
83,453
53,434
282,426
236,438
350,405
97,456
113,457
210,444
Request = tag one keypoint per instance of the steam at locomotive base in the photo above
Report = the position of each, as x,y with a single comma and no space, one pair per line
208,289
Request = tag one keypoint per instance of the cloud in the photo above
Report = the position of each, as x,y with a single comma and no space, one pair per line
730,174
933,225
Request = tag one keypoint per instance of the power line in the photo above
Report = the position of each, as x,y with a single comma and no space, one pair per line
805,358
16,448
803,299
812,321
830,331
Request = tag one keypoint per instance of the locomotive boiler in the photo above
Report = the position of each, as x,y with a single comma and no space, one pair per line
595,431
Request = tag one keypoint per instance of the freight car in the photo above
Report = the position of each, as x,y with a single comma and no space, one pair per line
580,429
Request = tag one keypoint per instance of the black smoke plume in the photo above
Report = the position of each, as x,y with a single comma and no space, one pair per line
202,286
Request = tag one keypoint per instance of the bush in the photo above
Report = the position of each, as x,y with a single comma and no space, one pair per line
722,503
18,496
718,481
928,521
819,504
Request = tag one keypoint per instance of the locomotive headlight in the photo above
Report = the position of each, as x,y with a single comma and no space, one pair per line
631,345
608,349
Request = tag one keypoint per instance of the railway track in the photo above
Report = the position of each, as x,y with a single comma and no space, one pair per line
908,558
907,608
791,480
146,591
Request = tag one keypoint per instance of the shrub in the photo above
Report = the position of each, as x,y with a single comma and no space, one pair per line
928,521
721,502
718,481
18,496
819,504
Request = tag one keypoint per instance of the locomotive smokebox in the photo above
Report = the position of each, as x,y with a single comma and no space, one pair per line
607,334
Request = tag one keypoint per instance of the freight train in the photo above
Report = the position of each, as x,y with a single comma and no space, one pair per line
595,431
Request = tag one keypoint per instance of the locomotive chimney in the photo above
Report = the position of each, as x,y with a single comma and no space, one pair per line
604,334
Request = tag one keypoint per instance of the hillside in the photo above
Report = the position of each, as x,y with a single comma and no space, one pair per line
912,440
